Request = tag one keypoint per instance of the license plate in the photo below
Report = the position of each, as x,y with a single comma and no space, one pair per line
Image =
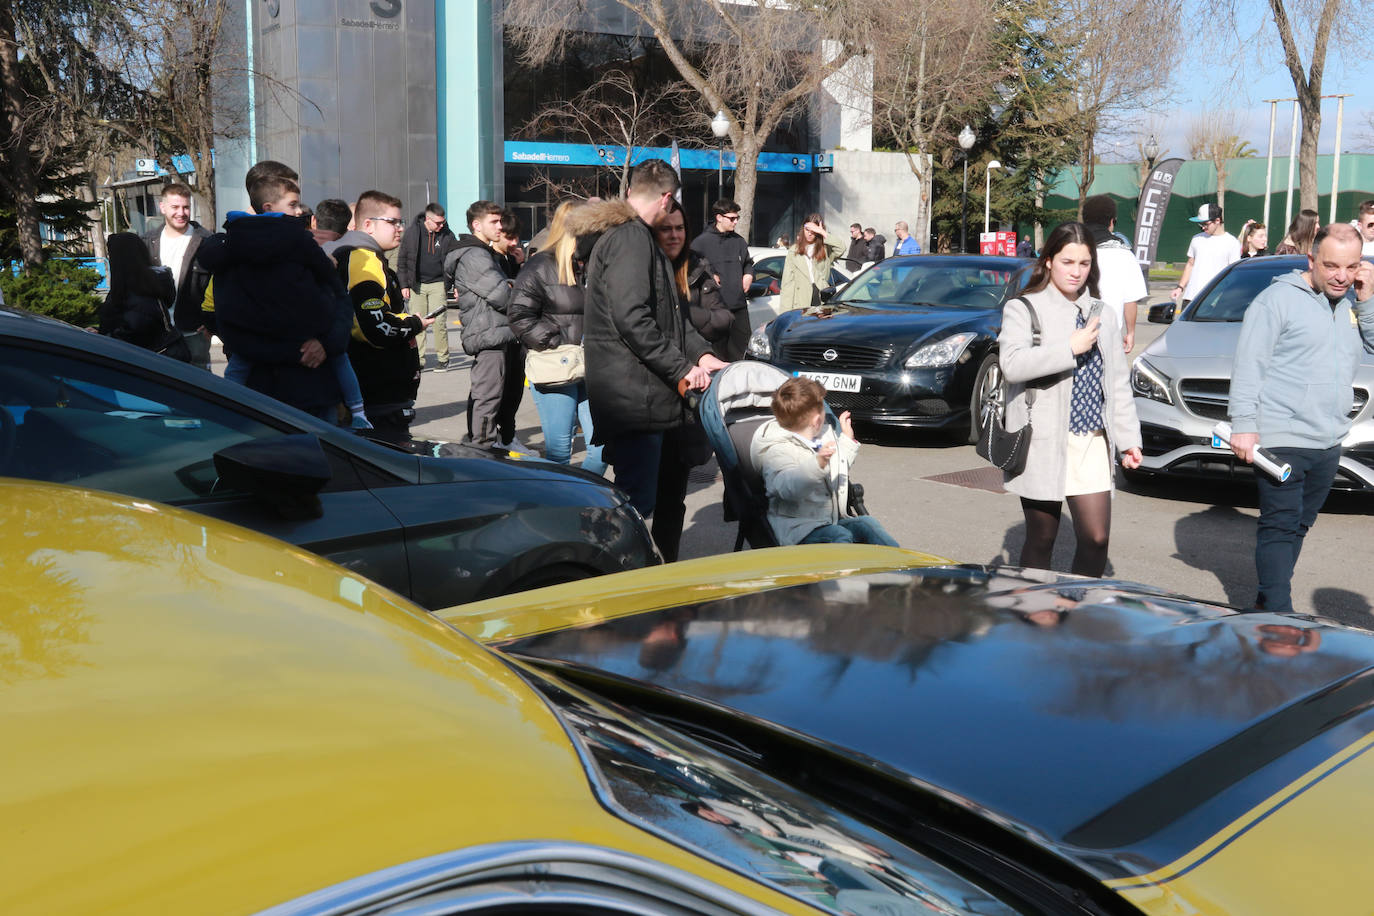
834,381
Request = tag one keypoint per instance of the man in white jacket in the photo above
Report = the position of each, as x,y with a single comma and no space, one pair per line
805,470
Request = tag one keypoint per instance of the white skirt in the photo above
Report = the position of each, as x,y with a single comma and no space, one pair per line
1087,464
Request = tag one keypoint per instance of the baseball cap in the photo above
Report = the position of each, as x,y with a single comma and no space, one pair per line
1206,213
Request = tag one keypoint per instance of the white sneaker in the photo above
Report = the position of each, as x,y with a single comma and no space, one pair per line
514,445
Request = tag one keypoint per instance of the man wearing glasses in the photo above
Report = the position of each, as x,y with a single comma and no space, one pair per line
728,254
420,267
1208,254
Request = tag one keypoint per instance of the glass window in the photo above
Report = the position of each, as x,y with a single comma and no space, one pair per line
80,423
917,283
1228,300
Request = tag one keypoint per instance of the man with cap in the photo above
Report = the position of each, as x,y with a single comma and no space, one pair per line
1208,254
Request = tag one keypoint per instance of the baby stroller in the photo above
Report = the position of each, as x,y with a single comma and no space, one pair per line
732,410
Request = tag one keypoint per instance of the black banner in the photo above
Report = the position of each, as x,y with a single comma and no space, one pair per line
1149,213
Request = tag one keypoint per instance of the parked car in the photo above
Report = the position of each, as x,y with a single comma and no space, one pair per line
765,293
79,408
911,342
1182,383
200,719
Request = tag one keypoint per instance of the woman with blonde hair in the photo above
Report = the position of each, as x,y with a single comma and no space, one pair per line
546,312
807,269
1301,232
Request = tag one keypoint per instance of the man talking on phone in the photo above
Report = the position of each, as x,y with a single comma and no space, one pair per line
1300,344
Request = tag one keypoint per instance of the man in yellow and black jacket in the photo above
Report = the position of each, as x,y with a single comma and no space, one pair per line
383,345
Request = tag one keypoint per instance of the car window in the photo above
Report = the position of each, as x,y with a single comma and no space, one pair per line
768,267
68,421
1233,293
920,283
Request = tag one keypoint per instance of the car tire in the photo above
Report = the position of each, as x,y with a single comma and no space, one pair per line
557,574
987,385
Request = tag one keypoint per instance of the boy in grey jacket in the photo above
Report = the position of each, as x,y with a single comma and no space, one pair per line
484,292
1299,347
805,471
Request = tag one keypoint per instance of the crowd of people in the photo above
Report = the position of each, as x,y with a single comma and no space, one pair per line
617,322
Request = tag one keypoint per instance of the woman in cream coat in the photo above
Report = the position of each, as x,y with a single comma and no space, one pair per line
1083,414
806,271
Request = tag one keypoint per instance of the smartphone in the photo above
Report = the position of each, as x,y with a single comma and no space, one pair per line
1094,312
437,312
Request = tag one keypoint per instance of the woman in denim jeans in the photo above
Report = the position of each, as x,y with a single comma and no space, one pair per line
546,312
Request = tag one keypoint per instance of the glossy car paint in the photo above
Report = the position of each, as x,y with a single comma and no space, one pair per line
1173,750
1197,356
199,719
439,530
891,394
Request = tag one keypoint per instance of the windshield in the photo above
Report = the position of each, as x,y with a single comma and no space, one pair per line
930,282
1233,293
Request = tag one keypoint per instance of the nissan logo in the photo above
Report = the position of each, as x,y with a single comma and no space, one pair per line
830,355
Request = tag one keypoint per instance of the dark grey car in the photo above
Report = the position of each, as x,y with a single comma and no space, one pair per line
87,410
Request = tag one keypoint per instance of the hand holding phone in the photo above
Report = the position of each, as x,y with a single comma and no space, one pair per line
438,311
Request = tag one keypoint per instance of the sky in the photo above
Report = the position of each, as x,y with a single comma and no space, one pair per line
1239,81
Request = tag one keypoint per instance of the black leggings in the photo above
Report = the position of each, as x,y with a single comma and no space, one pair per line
1092,527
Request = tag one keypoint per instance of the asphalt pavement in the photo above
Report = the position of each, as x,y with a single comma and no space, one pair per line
938,496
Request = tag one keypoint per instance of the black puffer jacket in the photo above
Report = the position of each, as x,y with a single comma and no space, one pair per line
638,341
705,307
476,276
543,312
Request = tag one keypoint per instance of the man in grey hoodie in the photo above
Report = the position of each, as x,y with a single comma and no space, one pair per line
1299,347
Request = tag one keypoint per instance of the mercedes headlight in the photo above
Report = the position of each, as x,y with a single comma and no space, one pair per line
759,347
945,352
1149,382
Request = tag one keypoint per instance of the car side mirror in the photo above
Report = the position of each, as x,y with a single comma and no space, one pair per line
828,293
1162,313
286,473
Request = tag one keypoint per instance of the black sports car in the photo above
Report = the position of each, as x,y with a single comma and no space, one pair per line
911,341
81,409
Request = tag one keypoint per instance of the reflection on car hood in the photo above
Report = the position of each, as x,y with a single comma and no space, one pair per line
875,324
1113,723
1197,340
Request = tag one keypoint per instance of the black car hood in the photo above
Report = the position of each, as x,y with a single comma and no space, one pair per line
1113,724
874,325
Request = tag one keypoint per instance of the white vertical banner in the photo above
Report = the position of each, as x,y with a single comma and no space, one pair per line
675,160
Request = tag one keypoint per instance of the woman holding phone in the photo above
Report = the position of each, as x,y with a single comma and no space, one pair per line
1075,394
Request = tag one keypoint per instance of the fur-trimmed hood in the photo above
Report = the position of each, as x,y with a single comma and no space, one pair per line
598,216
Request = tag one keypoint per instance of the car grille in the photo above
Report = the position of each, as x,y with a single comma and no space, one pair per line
847,356
840,402
1210,397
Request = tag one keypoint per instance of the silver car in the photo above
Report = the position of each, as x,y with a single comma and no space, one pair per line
1182,382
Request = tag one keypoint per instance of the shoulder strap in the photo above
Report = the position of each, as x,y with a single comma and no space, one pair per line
1035,342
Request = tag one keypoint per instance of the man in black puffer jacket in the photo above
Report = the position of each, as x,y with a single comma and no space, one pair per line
642,354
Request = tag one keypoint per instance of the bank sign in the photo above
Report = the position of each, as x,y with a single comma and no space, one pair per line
521,152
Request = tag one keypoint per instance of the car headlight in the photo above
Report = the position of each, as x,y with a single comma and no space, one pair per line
1149,382
759,347
941,353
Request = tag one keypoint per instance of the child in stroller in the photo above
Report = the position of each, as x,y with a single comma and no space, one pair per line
734,411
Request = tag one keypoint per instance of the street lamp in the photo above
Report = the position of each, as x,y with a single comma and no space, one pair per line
720,126
966,138
1151,154
987,196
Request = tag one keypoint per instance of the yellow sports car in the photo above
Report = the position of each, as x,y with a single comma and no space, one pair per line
198,719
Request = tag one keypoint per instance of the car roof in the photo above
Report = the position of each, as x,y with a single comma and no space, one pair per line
1114,724
198,718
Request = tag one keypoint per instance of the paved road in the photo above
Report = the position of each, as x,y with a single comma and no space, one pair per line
1196,539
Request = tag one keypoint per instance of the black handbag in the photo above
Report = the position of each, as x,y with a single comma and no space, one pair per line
1004,448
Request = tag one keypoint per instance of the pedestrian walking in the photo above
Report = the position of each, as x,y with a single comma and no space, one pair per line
1120,282
806,270
1300,344
857,255
1067,377
1208,254
1301,233
546,312
727,254
642,354
420,270
906,244
686,446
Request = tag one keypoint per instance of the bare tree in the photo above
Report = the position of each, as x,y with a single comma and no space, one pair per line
616,110
1125,51
1214,136
755,60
